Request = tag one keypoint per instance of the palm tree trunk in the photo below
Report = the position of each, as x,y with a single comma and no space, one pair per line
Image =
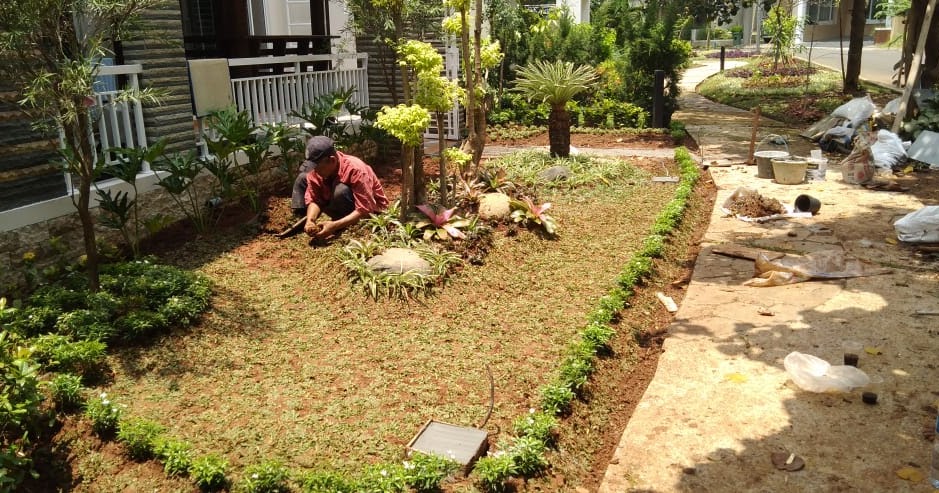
559,132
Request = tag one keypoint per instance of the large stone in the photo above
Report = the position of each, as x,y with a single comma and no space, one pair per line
556,173
494,206
399,261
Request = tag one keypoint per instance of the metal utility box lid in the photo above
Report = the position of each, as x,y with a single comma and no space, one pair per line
459,443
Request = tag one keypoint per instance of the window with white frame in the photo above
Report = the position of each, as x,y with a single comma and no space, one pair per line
821,11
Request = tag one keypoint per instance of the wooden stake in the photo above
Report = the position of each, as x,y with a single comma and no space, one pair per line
913,78
756,125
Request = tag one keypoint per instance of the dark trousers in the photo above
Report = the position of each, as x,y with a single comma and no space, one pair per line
341,204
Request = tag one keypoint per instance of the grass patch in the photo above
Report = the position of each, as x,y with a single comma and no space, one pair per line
792,93
293,363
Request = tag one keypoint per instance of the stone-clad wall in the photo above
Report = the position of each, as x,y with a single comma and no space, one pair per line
37,239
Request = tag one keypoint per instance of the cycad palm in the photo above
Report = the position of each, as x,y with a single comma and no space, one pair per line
555,83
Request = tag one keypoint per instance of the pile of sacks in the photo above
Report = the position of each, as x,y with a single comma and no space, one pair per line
848,130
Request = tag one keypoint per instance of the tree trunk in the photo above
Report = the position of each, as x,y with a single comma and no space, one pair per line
559,132
470,83
442,166
852,74
407,182
82,164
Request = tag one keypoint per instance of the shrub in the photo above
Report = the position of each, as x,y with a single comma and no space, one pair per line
538,425
66,391
609,113
139,436
528,454
327,482
19,387
556,398
491,472
60,353
175,455
269,476
104,415
425,472
382,478
208,472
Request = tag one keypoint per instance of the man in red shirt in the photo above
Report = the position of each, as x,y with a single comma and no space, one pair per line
341,186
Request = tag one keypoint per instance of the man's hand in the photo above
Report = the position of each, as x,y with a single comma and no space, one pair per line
326,229
311,228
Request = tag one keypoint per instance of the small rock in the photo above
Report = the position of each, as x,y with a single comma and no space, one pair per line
494,206
556,173
399,261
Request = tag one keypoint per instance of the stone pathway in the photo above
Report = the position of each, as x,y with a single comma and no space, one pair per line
721,403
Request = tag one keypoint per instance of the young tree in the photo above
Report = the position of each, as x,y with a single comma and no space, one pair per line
434,92
555,83
478,55
50,50
392,22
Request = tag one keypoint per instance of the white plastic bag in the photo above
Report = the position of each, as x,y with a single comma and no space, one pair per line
856,111
814,374
888,150
921,226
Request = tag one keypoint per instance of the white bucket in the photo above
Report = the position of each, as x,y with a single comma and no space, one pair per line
817,166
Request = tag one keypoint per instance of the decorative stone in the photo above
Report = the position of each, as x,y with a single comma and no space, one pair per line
399,261
494,206
555,173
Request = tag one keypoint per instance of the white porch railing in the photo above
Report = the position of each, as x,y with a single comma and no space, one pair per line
271,98
119,121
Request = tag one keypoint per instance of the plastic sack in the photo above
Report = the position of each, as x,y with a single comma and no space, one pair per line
858,167
921,226
888,150
836,139
825,264
814,374
857,111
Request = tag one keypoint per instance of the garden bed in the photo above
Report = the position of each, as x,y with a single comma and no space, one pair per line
295,364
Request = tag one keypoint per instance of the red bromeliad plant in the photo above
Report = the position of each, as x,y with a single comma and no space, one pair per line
526,210
443,225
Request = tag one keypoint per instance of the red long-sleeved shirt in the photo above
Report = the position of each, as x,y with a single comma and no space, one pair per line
367,192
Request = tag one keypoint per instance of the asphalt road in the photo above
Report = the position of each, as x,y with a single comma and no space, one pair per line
876,61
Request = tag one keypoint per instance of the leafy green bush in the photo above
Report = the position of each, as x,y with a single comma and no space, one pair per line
492,472
528,453
175,455
104,414
425,472
61,353
139,436
538,425
269,476
66,390
19,387
208,472
556,398
136,299
610,113
327,482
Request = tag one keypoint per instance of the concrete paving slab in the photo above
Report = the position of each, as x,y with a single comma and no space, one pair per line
721,402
